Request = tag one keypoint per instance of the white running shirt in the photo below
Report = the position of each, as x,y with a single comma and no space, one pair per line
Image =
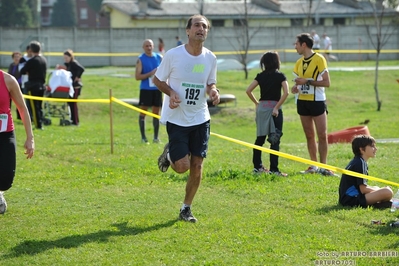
188,76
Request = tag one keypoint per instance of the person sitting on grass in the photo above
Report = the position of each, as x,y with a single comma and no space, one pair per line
354,191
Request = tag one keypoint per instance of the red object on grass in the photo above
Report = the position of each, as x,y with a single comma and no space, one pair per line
346,135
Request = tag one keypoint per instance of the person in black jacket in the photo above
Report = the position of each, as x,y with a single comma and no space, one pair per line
73,66
36,68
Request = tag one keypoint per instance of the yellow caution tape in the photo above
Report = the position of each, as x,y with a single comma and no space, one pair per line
49,99
249,145
306,161
281,154
134,107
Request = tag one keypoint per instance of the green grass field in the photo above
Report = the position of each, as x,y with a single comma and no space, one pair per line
75,203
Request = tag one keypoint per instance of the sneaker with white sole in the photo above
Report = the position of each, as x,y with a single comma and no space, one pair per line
163,162
311,170
260,170
327,172
3,203
278,173
186,215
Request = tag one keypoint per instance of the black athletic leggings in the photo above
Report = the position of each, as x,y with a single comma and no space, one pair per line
260,140
7,159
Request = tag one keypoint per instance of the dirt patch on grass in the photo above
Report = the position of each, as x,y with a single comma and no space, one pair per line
230,114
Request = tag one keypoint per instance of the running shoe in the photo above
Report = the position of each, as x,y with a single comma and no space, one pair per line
327,172
278,173
163,162
186,215
261,170
311,170
3,203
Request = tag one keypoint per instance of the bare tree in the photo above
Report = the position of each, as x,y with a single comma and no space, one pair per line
310,8
201,7
243,38
382,34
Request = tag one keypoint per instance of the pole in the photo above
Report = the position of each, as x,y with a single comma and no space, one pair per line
39,13
111,122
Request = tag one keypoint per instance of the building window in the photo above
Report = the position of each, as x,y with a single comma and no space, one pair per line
239,22
296,22
217,22
83,13
339,21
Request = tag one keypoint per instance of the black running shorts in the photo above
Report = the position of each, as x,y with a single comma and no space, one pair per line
150,98
311,108
192,140
7,159
360,200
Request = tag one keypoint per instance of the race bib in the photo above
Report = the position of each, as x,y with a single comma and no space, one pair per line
192,93
3,122
306,92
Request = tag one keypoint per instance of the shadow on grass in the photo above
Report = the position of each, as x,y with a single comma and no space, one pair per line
220,176
244,175
384,229
378,229
33,247
331,208
175,177
327,209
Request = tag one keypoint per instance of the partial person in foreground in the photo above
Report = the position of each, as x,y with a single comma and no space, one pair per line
311,79
354,191
150,96
10,90
187,75
269,115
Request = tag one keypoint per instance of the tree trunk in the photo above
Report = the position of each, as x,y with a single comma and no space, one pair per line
377,97
309,14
